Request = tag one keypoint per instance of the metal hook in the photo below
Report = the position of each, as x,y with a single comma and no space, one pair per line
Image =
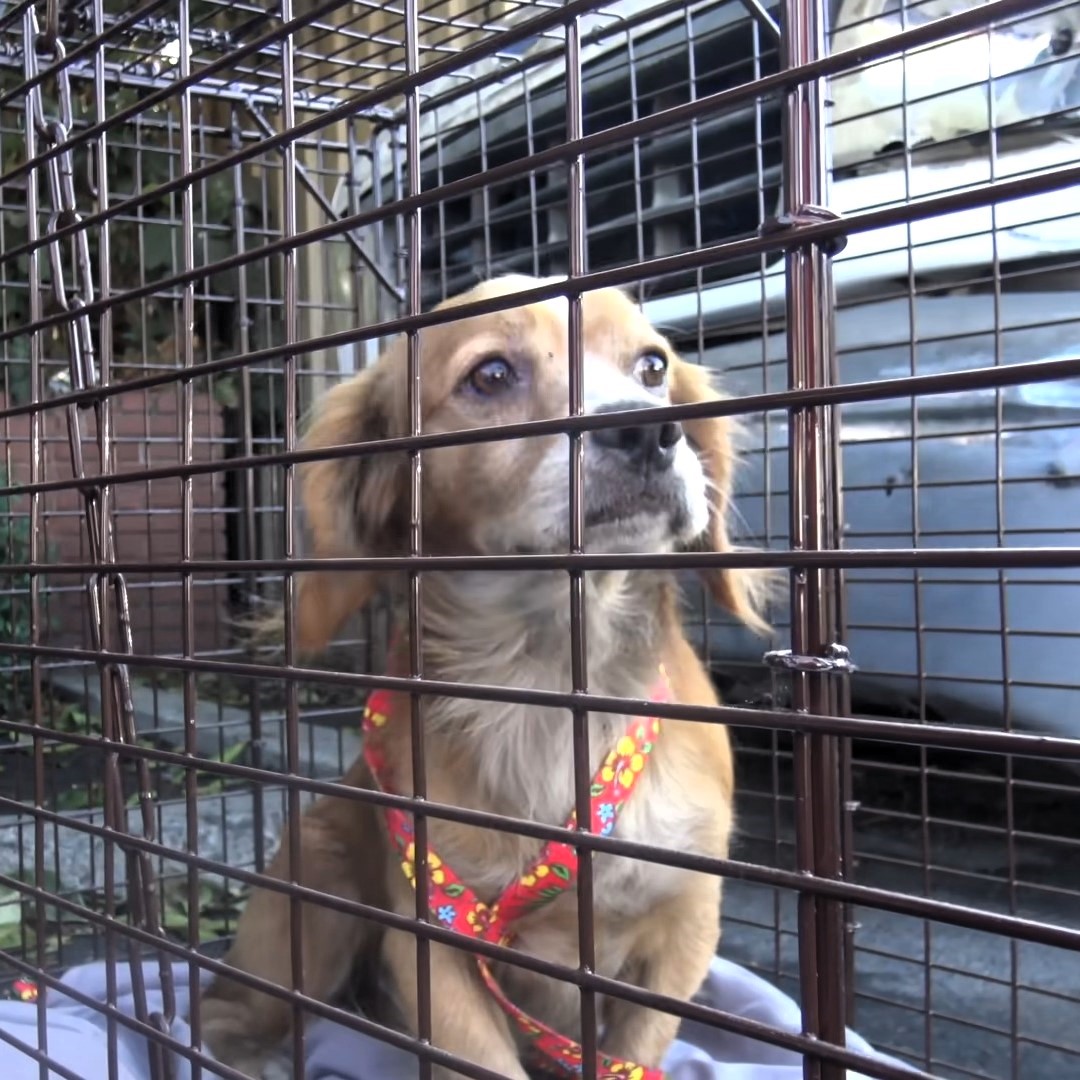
836,661
802,218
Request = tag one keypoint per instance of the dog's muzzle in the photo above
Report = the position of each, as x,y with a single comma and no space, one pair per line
642,447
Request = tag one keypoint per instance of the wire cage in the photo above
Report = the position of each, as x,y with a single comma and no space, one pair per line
857,212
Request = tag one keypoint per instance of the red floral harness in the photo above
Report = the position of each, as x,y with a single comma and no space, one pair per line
455,905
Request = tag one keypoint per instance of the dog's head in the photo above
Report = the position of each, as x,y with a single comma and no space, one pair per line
652,486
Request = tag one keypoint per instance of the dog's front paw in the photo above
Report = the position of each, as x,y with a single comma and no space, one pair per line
242,1034
248,1057
278,1067
255,1057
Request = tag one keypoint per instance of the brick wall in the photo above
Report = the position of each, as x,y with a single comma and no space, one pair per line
147,433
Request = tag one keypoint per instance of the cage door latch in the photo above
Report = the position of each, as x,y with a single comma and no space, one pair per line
803,218
836,660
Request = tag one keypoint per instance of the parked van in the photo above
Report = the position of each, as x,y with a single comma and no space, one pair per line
987,286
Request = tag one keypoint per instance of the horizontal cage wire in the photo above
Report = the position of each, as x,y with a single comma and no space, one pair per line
857,214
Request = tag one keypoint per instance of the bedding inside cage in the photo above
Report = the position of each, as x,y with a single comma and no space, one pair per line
76,1034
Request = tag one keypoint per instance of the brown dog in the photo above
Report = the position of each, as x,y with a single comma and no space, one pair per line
657,487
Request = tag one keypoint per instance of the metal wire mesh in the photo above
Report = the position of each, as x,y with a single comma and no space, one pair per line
210,213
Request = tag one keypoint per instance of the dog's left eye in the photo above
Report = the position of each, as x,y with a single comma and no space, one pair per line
491,376
651,370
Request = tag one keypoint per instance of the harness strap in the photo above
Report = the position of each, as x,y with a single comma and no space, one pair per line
554,872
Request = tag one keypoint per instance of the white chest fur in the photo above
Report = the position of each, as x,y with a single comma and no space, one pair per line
660,815
525,768
523,755
520,761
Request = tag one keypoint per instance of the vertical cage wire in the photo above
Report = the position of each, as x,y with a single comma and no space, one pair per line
579,673
414,271
814,526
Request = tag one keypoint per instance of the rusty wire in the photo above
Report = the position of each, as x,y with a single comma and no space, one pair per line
118,714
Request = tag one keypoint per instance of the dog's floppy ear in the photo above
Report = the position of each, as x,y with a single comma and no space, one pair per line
351,504
742,592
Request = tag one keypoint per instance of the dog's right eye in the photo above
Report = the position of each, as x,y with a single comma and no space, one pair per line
491,376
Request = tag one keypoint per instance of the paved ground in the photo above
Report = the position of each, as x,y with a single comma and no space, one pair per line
953,1016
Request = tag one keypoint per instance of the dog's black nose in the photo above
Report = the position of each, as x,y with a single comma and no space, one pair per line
647,446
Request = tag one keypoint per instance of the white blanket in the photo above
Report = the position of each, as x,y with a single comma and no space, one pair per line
76,1037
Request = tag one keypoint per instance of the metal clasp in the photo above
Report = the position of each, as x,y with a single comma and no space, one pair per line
835,661
801,218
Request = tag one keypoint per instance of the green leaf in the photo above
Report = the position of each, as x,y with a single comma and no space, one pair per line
233,753
175,919
11,938
560,871
214,926
226,393
10,907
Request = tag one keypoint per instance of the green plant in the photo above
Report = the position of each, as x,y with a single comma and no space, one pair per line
216,909
141,157
14,593
172,778
19,918
15,616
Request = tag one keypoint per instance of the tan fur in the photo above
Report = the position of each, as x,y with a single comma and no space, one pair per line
656,927
743,593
